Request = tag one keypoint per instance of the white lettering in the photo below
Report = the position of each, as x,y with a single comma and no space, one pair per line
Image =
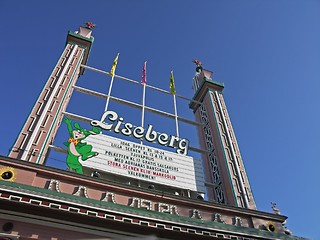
102,124
138,132
150,135
117,127
163,139
172,141
127,129
183,147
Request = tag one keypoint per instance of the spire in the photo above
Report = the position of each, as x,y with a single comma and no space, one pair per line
84,39
200,75
87,30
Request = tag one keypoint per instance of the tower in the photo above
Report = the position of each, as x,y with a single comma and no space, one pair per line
41,126
225,175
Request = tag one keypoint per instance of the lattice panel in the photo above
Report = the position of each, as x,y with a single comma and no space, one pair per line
219,194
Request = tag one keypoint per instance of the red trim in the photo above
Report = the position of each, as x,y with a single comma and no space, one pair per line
5,195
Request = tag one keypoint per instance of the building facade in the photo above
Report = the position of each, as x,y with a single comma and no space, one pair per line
40,202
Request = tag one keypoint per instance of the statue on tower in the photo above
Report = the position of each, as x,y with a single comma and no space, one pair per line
90,25
196,80
275,209
199,65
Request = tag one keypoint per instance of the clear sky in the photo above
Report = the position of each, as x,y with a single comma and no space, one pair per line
267,54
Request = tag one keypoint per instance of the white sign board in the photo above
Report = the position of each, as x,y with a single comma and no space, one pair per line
146,163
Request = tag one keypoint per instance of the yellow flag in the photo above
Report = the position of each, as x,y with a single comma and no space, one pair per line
114,65
172,87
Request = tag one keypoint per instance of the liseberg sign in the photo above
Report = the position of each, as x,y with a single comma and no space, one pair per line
139,161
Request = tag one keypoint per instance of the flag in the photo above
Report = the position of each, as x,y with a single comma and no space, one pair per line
144,73
114,65
172,87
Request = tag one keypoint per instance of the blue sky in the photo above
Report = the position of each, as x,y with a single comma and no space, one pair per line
267,54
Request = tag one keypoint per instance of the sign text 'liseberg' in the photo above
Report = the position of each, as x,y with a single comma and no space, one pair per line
139,132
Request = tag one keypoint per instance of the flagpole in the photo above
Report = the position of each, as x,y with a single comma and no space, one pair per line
111,83
143,81
143,104
173,92
176,114
108,97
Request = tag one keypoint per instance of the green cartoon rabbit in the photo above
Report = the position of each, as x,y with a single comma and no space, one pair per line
77,148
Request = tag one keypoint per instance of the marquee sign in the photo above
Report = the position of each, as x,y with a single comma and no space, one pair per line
92,149
138,161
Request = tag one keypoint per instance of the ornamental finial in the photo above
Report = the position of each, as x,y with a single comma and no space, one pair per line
90,25
274,208
199,65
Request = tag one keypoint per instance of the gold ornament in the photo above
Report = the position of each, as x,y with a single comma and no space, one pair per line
8,174
271,227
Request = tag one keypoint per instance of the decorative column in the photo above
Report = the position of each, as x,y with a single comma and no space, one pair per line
45,117
225,175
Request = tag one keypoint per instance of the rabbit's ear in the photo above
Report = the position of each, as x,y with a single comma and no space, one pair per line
77,126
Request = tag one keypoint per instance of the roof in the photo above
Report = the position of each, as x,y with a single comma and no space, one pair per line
25,194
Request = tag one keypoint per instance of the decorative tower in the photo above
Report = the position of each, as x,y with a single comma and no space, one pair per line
42,123
225,175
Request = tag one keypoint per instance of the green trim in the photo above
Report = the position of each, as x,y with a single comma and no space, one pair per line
212,81
122,209
91,40
209,81
201,86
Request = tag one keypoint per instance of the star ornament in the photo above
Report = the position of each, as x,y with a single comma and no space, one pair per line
90,25
197,62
